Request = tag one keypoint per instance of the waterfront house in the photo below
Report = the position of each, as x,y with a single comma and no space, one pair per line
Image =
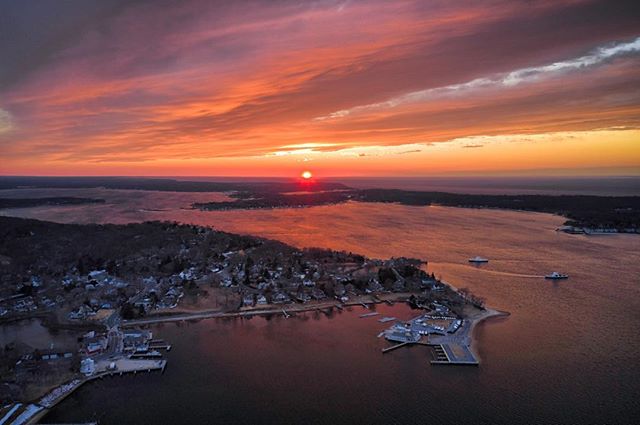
247,300
280,298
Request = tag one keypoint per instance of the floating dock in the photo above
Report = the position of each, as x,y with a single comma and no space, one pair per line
159,346
362,316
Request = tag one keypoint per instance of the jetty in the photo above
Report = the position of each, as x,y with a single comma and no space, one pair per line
374,313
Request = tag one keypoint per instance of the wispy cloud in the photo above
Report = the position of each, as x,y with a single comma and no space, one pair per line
5,121
503,80
220,82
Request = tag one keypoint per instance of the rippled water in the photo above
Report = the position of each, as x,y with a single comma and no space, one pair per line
569,352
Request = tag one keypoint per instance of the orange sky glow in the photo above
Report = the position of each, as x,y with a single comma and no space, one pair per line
371,88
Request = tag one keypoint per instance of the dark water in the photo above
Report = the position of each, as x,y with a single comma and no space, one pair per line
569,353
33,334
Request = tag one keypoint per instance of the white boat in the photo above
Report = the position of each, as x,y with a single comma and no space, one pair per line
478,260
556,275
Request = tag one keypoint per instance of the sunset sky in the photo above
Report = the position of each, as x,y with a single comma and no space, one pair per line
342,88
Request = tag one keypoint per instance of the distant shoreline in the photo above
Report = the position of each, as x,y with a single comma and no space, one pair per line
621,213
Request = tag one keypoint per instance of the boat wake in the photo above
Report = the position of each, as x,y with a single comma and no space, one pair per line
487,270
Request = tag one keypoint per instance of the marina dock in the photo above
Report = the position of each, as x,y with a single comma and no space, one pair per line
159,345
453,354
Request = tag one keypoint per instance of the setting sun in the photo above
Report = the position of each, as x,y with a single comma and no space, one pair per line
306,175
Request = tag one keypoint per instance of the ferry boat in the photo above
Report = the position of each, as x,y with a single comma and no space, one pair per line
478,260
556,276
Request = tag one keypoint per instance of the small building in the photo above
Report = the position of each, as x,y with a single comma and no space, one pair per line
98,275
399,333
280,298
87,367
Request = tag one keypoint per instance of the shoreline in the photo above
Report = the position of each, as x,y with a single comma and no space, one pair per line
489,313
81,382
270,309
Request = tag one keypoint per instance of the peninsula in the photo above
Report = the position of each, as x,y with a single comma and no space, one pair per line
105,282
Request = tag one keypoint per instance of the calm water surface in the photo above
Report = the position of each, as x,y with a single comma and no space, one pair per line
569,352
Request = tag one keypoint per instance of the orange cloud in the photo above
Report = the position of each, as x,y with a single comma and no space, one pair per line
235,90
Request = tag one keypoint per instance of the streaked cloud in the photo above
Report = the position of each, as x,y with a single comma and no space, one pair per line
123,87
509,79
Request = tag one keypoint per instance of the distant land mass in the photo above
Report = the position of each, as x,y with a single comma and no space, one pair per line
583,212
